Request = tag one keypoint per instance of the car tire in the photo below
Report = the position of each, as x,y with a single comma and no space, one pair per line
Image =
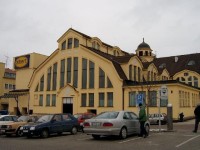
123,133
74,130
96,137
44,133
147,128
19,132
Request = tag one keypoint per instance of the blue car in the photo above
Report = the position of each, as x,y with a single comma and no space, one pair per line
50,124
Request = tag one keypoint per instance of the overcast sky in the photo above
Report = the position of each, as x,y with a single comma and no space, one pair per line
170,27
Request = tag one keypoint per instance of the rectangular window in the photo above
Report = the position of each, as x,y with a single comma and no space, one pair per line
42,83
130,72
62,73
75,79
84,73
53,100
41,100
132,98
63,45
135,73
153,98
6,86
69,66
83,99
69,44
48,100
76,43
91,99
110,99
91,75
101,78
139,74
101,99
54,76
49,79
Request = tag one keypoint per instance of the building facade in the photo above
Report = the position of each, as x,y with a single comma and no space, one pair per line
85,74
7,83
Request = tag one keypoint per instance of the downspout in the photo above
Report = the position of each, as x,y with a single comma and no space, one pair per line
122,98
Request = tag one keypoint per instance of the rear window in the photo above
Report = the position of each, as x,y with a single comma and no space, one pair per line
107,115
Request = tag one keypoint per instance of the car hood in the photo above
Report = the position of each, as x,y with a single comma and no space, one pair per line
36,123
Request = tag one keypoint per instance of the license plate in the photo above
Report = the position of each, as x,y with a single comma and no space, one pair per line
25,131
96,124
3,131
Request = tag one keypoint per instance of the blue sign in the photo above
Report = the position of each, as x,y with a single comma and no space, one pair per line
139,99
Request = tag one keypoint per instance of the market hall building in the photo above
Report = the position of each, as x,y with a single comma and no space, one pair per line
84,74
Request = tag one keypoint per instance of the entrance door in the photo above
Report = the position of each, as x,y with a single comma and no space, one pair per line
68,105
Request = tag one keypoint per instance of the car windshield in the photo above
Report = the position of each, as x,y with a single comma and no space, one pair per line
45,118
107,115
22,118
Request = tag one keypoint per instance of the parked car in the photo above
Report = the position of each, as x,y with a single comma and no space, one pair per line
7,119
4,112
82,117
154,118
119,123
14,127
52,123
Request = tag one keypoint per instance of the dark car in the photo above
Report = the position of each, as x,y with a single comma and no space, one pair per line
52,123
81,118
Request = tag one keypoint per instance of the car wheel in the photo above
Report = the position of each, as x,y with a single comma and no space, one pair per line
19,132
147,129
74,130
123,133
97,137
44,133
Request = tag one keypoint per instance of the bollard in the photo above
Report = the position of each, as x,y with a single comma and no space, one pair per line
169,117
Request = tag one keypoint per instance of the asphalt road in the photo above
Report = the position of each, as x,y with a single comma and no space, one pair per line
181,138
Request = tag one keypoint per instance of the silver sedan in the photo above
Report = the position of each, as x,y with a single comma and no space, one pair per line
120,123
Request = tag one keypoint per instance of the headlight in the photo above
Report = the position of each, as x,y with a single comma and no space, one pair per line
32,128
21,128
9,126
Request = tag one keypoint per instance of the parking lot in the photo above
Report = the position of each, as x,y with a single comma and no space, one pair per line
181,137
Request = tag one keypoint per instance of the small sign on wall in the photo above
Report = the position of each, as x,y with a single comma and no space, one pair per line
22,62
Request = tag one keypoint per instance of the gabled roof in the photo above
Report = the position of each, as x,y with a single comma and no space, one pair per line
175,64
110,58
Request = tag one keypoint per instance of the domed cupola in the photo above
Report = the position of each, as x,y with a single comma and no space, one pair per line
144,51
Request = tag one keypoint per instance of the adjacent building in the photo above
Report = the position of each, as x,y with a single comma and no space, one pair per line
84,74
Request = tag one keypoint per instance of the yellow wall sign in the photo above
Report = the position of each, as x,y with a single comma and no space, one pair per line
22,62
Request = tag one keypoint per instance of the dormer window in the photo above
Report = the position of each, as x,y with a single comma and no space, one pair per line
163,65
191,63
63,47
96,45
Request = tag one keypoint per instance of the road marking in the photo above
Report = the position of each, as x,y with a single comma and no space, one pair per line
187,141
129,140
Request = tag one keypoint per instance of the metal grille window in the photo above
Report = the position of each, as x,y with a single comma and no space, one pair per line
91,75
69,64
153,98
53,100
76,43
62,73
75,78
48,100
91,99
54,76
84,73
110,99
69,44
41,100
49,79
101,99
83,99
